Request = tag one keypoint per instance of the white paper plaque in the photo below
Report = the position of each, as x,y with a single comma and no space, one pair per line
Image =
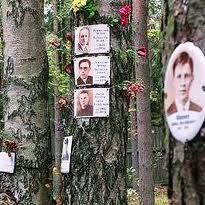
185,91
66,153
92,102
92,39
92,70
7,162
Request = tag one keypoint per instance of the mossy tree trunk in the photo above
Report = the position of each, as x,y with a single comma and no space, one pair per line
26,112
98,161
183,21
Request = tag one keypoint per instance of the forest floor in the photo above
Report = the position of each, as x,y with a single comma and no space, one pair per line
160,196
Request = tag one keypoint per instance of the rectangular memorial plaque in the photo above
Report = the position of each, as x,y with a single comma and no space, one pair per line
92,70
92,102
92,39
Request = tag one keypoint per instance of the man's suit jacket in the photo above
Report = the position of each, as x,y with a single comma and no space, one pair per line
89,81
88,111
192,107
84,49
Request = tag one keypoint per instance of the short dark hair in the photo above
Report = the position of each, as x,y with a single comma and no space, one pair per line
84,91
84,61
183,58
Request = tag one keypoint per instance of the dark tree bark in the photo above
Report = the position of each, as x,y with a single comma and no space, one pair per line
25,88
145,142
183,22
98,161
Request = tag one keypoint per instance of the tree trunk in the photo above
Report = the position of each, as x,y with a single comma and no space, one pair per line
183,22
57,176
145,144
25,88
98,161
134,142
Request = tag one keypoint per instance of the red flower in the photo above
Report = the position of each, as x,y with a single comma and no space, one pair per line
125,11
124,21
134,88
124,14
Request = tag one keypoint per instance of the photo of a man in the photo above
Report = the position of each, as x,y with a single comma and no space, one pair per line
84,38
90,39
84,69
184,99
182,81
85,107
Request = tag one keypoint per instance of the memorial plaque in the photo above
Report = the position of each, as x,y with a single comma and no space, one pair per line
92,102
92,39
92,70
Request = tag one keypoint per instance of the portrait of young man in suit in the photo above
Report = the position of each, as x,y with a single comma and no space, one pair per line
84,101
84,78
84,38
182,80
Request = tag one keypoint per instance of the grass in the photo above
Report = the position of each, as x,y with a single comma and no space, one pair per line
160,196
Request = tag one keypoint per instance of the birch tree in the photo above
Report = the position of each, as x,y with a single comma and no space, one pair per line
26,121
98,162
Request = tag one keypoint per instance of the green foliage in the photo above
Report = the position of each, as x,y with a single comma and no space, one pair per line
113,20
90,10
130,176
64,10
57,77
154,36
48,17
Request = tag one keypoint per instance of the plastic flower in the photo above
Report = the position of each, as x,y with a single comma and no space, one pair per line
124,14
125,11
77,4
134,88
124,21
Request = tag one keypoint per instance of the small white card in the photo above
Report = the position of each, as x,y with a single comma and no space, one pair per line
7,163
65,159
